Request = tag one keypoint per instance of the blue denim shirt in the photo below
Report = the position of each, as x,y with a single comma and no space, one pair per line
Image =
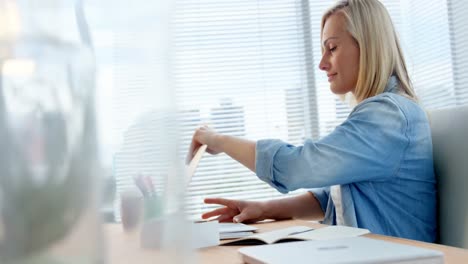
381,157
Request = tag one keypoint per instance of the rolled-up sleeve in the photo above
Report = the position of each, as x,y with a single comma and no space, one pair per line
369,145
265,156
322,195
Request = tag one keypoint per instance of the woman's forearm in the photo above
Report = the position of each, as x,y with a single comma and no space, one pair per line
304,206
240,149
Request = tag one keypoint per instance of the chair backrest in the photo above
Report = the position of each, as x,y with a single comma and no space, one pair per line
450,144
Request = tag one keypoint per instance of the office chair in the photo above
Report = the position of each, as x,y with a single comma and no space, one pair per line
449,129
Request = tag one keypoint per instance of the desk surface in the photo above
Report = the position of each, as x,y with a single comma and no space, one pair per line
125,247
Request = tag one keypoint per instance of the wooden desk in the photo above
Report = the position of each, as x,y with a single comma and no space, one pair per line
124,248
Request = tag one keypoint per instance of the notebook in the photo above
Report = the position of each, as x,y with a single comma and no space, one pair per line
360,250
299,233
235,230
235,227
233,235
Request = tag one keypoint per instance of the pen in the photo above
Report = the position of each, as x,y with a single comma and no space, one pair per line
141,185
206,220
299,232
150,184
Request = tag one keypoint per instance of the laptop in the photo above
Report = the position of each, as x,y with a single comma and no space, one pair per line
360,250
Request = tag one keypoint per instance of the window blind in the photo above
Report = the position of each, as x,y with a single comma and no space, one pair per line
434,39
242,67
249,69
458,27
134,102
429,53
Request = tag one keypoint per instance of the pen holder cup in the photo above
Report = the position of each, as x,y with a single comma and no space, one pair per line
152,207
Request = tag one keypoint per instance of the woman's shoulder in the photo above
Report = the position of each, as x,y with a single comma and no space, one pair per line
390,104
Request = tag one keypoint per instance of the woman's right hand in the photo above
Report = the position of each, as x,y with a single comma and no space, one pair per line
204,135
237,211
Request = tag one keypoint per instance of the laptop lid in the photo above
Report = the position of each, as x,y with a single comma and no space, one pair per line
349,250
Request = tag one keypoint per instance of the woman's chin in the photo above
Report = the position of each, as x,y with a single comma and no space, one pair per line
339,90
336,90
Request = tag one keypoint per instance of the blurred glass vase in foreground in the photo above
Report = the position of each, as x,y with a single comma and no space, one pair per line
48,160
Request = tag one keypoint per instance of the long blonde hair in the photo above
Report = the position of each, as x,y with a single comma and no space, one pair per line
381,55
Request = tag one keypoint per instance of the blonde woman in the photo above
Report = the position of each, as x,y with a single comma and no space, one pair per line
375,170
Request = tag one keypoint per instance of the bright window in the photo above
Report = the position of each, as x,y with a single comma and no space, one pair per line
250,68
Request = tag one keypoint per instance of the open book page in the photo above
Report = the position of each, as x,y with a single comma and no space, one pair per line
269,237
298,233
232,235
235,227
327,233
235,230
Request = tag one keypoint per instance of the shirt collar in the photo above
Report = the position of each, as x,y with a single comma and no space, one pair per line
392,85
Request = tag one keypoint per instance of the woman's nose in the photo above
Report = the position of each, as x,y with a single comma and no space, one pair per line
324,65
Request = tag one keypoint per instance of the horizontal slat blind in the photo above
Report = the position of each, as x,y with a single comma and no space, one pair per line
435,50
459,44
428,44
250,69
134,102
240,67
